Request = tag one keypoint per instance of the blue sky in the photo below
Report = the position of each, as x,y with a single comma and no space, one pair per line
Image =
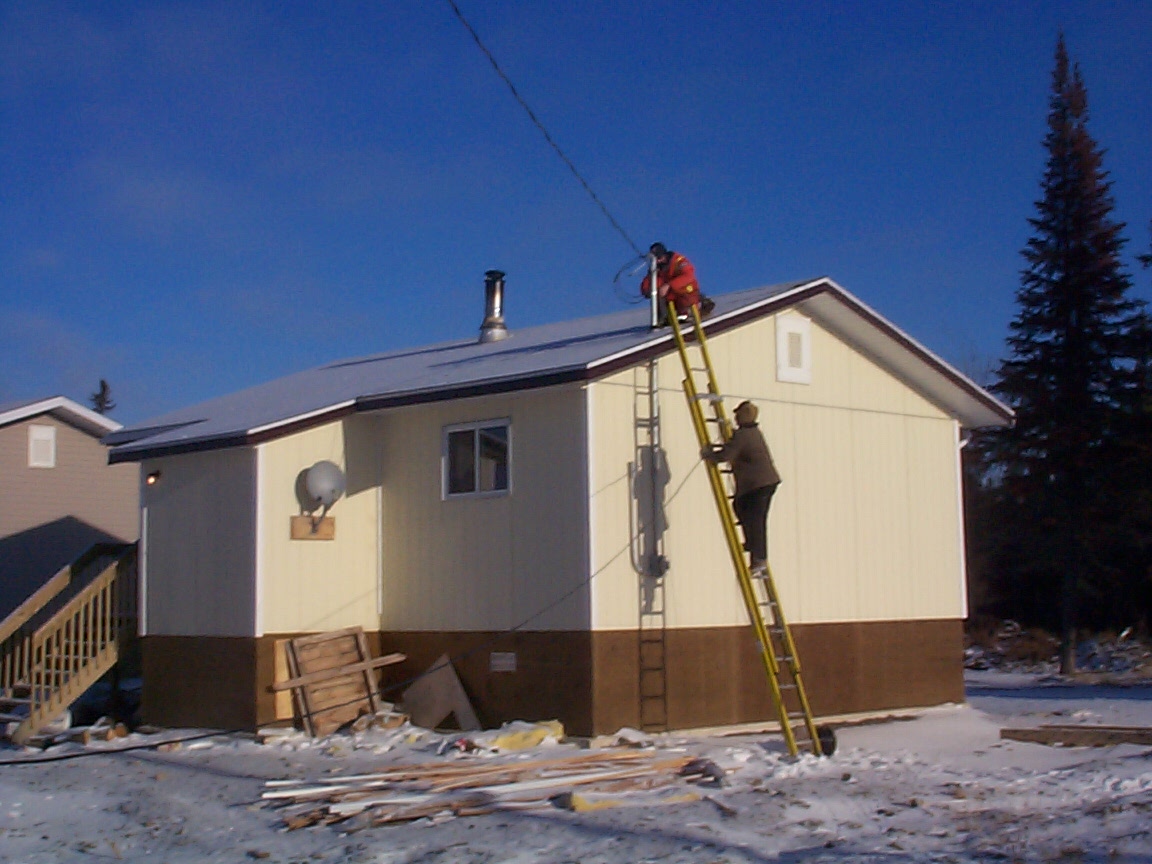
198,197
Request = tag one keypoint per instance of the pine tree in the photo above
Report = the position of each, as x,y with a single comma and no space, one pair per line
1146,258
101,400
1071,368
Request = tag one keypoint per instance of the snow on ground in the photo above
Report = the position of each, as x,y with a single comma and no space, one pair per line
941,787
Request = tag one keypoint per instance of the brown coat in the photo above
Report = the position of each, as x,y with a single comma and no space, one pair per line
747,452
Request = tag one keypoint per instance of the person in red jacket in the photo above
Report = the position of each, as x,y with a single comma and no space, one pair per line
675,281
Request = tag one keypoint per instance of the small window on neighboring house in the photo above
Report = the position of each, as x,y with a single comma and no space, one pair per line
41,446
793,348
476,458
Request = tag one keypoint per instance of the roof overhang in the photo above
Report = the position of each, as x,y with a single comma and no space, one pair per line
821,299
62,408
875,337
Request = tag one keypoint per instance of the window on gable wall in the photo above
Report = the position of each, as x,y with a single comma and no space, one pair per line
476,458
41,446
793,348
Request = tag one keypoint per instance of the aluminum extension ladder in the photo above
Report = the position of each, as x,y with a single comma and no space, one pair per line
774,639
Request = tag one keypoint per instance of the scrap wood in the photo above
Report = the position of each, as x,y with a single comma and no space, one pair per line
586,802
1081,736
443,778
438,693
339,671
435,771
333,678
415,792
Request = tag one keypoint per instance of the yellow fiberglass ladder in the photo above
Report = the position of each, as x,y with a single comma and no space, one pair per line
774,639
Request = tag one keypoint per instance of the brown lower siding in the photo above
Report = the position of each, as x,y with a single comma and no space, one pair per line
714,676
588,681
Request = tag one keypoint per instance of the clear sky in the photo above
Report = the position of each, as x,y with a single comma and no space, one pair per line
200,196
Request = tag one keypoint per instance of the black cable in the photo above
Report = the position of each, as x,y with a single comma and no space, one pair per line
631,268
540,126
152,745
488,642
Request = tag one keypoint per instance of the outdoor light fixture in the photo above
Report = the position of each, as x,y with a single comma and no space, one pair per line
152,479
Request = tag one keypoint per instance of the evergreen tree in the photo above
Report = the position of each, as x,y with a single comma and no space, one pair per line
1146,258
1072,368
101,400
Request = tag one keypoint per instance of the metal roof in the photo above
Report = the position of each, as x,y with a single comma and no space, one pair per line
62,408
569,351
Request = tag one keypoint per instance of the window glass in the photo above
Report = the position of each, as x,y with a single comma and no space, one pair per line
493,465
476,458
461,462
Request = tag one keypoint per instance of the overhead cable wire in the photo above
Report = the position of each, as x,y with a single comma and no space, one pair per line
543,131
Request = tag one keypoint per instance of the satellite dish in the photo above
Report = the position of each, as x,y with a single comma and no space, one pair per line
325,483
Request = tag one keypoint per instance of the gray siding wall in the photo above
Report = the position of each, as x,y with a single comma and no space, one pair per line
199,547
82,484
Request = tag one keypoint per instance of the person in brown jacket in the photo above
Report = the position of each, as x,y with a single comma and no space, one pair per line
756,481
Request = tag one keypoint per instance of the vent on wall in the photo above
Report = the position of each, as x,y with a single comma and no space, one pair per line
793,348
41,446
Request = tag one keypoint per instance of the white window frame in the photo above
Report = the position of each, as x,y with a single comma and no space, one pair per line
39,438
790,328
474,426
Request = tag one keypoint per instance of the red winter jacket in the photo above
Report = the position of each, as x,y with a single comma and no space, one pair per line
680,278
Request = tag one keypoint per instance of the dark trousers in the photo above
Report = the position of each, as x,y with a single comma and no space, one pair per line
752,511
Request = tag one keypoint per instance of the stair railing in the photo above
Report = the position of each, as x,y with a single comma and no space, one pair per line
50,665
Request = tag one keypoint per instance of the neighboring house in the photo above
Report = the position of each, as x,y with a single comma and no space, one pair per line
495,511
58,494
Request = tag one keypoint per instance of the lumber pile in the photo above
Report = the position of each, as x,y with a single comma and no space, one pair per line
1062,735
589,780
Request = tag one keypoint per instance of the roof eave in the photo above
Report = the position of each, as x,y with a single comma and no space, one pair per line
65,409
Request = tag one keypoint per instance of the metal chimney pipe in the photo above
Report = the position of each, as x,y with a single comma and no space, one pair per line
493,329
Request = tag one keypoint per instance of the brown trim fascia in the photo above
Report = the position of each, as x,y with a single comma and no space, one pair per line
219,442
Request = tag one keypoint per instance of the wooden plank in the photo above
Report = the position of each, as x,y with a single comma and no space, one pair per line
326,636
344,648
303,528
438,693
299,693
333,678
324,674
283,699
1081,736
370,680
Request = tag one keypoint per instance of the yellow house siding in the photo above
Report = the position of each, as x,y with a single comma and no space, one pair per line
316,585
199,556
494,562
865,525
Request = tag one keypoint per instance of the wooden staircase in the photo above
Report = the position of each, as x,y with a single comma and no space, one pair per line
65,637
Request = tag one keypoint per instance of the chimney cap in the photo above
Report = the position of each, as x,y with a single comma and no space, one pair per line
493,328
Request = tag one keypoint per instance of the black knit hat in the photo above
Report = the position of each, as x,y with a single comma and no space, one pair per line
658,249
